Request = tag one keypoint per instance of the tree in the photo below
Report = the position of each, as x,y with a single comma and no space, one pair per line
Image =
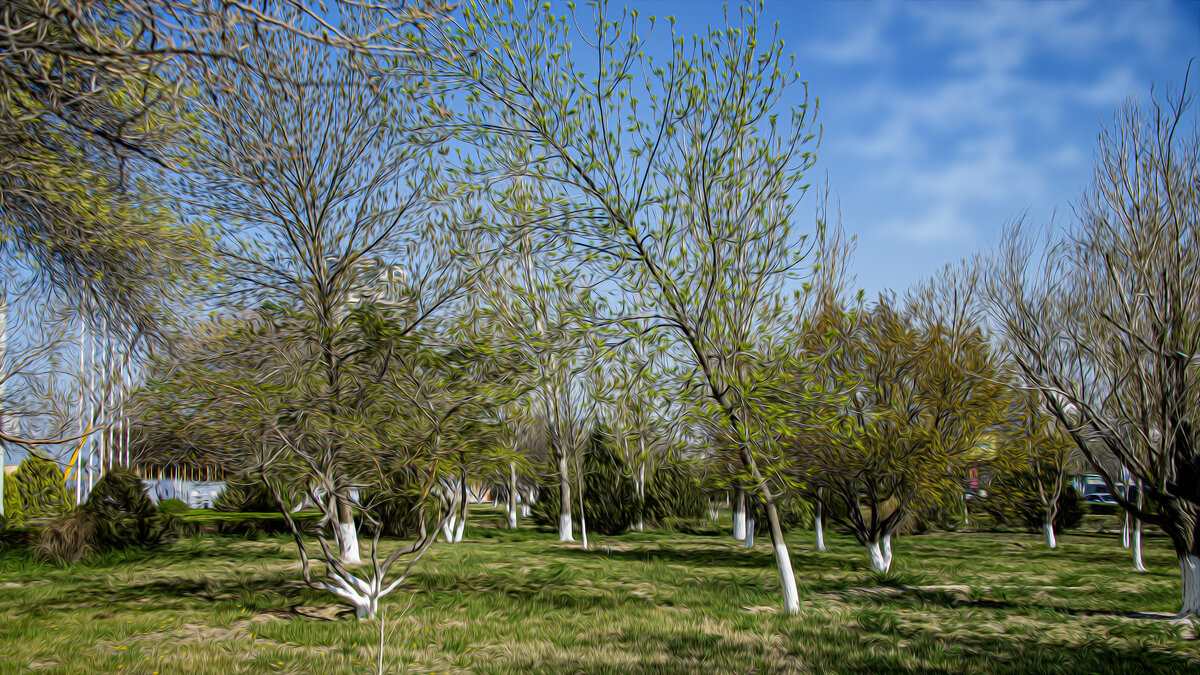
1104,320
1033,461
680,189
326,204
410,421
917,400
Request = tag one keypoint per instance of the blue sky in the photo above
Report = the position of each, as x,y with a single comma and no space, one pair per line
944,121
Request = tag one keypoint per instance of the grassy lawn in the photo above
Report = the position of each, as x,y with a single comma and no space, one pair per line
520,602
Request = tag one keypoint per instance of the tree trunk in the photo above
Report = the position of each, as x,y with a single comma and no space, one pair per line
1137,547
818,522
1189,567
640,482
885,547
875,553
749,541
512,496
1048,534
1125,531
527,502
739,514
1137,536
712,511
783,561
347,534
564,502
461,525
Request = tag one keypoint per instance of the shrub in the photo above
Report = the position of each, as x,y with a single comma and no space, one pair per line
121,513
396,508
173,506
795,513
67,540
35,490
673,492
117,515
1007,503
248,497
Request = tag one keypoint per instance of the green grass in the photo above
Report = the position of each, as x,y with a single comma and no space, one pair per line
659,602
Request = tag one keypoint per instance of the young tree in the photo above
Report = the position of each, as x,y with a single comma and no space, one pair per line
1034,460
1106,324
682,186
917,399
325,203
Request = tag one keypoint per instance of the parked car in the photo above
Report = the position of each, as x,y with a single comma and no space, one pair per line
1100,498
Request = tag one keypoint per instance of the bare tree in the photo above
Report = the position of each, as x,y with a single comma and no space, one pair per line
1104,320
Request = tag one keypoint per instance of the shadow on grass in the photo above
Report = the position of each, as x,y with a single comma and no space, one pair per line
682,554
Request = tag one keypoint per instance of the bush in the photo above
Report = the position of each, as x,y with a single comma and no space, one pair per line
673,492
248,497
173,506
795,513
35,490
117,515
397,508
1025,510
67,540
609,497
121,513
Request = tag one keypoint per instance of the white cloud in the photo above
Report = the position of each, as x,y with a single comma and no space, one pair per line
966,138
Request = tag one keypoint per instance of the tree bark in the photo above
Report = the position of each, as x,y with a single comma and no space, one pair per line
1189,567
1137,547
640,482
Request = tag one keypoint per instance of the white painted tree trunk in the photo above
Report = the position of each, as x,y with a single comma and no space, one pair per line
885,547
1125,531
712,511
448,528
1189,567
787,579
348,543
512,496
347,535
641,492
1048,534
739,516
1137,547
564,513
875,554
819,523
1137,535
461,523
749,540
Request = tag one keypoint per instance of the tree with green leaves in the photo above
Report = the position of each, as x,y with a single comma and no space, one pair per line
917,398
676,181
